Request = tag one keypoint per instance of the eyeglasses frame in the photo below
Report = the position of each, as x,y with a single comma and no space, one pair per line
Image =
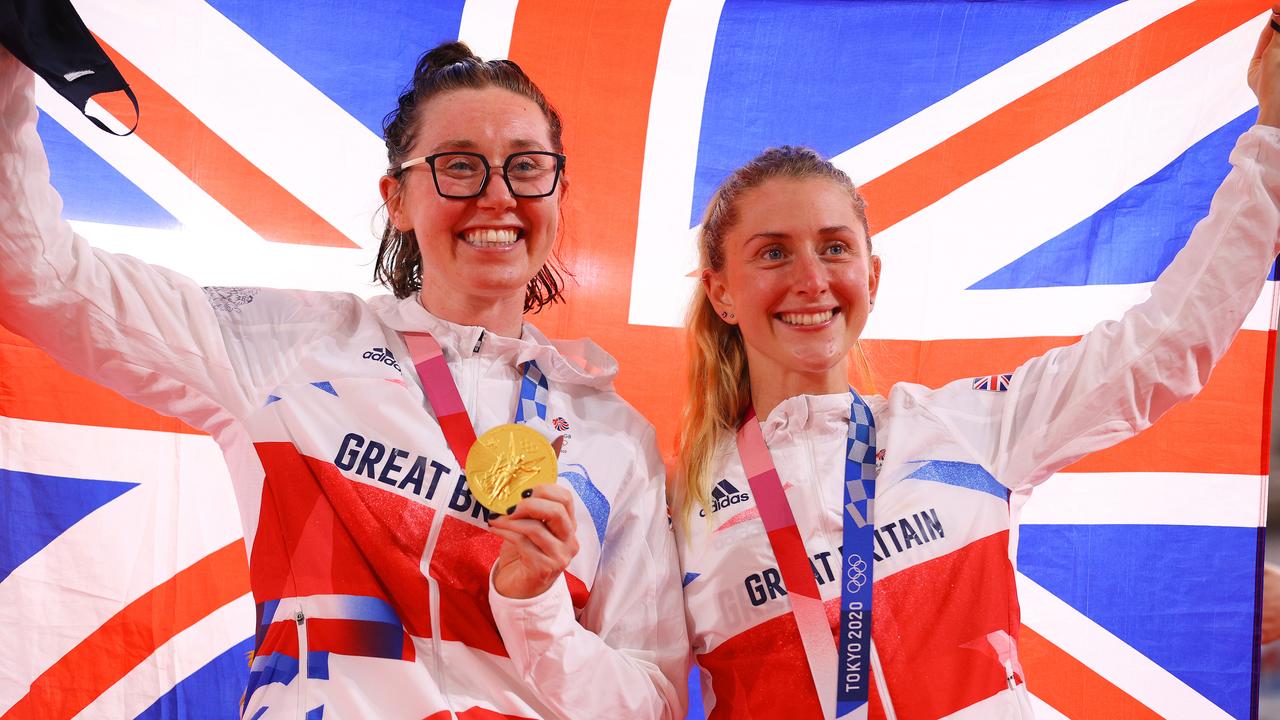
429,161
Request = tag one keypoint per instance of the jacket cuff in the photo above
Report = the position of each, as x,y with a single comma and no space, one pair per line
1261,144
529,625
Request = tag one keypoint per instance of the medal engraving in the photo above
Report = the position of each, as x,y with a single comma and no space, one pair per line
505,462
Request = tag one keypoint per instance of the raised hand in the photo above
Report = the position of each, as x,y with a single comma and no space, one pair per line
1264,71
539,540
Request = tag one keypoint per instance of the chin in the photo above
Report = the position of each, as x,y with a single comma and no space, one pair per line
815,363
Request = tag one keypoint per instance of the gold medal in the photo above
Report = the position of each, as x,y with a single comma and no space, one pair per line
506,461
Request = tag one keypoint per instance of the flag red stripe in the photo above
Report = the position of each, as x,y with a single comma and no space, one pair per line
1012,129
37,389
134,634
34,387
202,155
605,142
1177,443
1268,392
1070,686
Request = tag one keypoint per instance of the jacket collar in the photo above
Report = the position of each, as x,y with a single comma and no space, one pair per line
819,414
577,362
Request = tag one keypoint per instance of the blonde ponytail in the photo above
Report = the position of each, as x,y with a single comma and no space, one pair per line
719,394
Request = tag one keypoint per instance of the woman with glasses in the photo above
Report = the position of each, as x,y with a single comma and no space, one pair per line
796,495
384,588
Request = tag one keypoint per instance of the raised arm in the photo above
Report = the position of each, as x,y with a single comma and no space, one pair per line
1123,375
146,332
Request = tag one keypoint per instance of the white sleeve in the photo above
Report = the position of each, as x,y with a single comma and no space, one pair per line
1123,375
143,331
629,656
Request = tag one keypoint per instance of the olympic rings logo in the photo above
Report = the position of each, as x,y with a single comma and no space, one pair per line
857,574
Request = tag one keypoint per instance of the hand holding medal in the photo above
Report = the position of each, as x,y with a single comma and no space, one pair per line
511,469
540,540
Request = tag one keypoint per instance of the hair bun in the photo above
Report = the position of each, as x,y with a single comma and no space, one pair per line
444,55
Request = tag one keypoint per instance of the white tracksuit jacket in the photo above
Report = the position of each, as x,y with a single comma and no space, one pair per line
945,604
369,560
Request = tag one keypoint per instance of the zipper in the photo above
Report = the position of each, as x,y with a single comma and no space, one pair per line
303,670
1020,700
433,601
467,383
881,685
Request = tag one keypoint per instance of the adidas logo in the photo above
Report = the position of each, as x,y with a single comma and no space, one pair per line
383,356
723,495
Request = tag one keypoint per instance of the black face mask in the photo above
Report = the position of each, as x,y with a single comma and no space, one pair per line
49,37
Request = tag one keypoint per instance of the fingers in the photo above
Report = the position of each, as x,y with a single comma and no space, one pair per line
1264,39
536,546
526,548
542,528
562,549
1264,70
549,504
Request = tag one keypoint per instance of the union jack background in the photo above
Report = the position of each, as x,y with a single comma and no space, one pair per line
1031,166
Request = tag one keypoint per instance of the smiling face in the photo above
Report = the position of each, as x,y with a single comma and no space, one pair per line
481,250
798,278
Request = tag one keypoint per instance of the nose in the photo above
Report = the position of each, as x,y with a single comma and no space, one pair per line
496,195
810,275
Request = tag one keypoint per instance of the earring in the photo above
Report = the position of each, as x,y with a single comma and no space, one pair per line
725,314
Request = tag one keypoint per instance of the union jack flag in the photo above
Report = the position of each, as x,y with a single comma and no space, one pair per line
993,383
1030,168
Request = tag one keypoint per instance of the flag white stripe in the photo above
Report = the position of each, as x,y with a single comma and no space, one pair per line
213,247
1000,87
148,170
175,661
263,108
1093,161
1148,498
665,248
210,259
1110,657
182,510
1045,711
486,27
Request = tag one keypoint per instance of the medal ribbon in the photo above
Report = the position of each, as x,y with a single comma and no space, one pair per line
853,685
442,393
850,677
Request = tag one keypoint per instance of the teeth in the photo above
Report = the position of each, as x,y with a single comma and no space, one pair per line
806,318
488,237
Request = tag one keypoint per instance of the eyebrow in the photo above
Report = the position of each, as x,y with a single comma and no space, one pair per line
463,144
779,235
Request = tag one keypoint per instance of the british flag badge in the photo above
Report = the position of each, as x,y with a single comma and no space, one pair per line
993,383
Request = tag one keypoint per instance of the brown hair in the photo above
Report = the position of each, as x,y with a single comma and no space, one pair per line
452,66
718,384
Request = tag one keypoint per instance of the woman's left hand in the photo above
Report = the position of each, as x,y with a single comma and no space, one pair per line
539,540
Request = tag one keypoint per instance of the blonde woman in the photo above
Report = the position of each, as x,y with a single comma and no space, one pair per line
779,540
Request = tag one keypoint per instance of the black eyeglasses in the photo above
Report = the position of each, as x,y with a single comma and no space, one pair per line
462,175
